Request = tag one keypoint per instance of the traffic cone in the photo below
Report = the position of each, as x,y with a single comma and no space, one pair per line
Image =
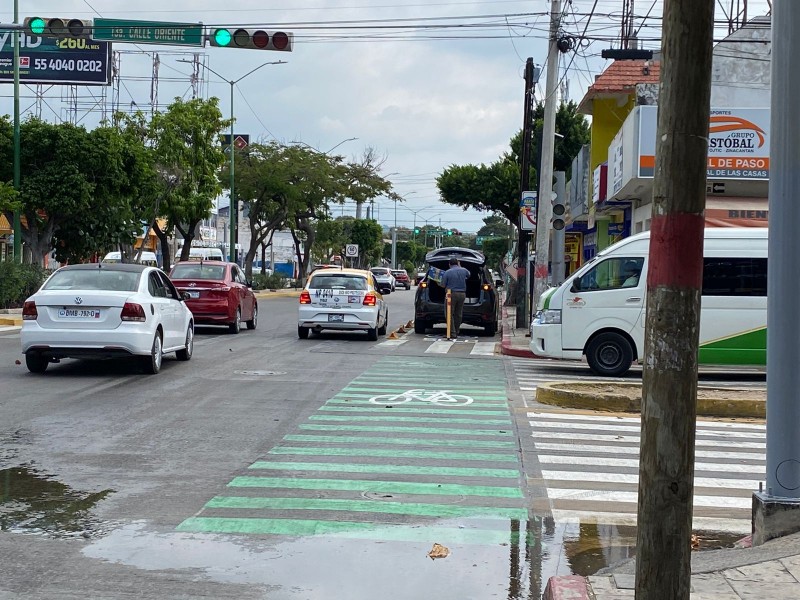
410,324
401,329
393,336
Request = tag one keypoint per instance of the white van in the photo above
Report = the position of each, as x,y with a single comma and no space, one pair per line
599,311
199,253
148,258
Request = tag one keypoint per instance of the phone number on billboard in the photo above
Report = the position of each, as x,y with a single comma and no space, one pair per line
59,64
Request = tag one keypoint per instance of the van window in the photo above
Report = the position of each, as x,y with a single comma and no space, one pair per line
611,274
734,277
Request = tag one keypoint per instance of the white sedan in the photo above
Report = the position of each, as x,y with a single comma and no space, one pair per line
104,311
342,299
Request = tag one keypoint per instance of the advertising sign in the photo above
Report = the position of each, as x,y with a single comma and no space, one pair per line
527,217
738,143
56,61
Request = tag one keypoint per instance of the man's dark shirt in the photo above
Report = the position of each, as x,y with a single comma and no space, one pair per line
455,279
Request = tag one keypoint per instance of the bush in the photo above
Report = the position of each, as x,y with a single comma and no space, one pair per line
274,281
17,282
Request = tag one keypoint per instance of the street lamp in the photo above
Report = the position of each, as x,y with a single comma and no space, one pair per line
232,205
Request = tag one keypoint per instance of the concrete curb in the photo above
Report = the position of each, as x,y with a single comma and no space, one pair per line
567,587
11,320
506,346
261,294
574,395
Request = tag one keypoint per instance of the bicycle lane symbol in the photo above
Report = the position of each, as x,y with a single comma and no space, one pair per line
439,397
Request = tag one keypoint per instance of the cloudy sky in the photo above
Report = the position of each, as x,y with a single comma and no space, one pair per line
425,84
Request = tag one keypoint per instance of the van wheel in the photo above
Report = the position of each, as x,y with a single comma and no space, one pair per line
420,326
609,355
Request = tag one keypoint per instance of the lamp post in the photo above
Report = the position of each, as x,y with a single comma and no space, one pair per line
232,205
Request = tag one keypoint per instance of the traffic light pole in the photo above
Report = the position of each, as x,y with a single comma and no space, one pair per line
17,159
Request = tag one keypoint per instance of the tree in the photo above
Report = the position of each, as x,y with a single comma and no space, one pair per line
330,239
494,225
368,234
188,158
496,187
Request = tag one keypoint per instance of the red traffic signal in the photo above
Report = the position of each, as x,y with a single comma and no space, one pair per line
254,39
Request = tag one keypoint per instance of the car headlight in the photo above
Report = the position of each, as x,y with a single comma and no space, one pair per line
549,317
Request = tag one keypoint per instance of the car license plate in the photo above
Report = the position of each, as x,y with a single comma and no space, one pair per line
336,318
78,313
194,294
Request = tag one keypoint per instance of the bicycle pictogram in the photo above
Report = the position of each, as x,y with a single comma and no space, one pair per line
442,397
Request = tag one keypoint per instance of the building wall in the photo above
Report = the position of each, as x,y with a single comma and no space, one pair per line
740,72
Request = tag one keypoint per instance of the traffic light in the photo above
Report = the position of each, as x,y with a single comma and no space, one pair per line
254,39
559,219
58,27
449,232
416,230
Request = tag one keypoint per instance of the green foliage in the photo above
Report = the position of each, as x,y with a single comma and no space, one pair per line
17,282
496,226
368,234
496,187
330,240
494,250
268,282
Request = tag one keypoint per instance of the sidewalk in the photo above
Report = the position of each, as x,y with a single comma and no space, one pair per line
516,342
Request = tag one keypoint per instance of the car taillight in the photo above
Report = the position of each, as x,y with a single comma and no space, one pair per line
423,284
370,299
29,312
305,297
132,312
486,287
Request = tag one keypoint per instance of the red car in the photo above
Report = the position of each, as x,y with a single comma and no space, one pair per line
218,293
402,278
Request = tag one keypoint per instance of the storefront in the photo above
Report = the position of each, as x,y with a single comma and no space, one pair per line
6,239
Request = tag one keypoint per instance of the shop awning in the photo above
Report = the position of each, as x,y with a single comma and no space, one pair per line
737,212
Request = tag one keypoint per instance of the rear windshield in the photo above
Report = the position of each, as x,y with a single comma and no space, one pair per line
198,271
337,282
380,271
94,279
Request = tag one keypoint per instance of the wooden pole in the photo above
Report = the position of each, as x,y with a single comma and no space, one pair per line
674,283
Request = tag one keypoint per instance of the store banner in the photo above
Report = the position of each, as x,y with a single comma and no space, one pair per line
738,143
62,61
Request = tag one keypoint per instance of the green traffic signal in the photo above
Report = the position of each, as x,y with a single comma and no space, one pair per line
222,37
37,25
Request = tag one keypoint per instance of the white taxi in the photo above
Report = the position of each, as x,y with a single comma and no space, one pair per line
344,300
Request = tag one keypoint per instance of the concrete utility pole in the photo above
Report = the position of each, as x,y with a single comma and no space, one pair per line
674,283
524,185
776,513
544,211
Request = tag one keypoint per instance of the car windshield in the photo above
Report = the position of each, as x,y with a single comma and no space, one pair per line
337,282
400,273
94,279
380,272
198,271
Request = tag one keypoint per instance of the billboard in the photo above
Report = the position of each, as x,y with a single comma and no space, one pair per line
56,61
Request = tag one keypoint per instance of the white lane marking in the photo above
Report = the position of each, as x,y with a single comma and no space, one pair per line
632,498
397,342
616,439
551,459
607,419
635,450
707,482
742,526
635,428
439,347
484,348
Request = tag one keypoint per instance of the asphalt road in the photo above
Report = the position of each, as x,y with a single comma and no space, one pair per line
273,467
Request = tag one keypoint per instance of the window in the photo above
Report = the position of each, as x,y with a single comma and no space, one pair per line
337,282
734,277
94,279
611,274
198,271
169,288
156,286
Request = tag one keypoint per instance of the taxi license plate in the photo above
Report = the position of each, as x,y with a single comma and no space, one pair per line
335,318
78,313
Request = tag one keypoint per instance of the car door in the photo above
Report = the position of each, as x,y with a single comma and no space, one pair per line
245,296
172,313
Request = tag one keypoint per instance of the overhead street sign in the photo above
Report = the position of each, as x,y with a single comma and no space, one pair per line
149,32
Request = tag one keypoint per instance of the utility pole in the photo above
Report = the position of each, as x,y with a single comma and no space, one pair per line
524,185
674,282
544,212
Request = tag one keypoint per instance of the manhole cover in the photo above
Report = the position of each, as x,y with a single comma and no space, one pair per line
260,372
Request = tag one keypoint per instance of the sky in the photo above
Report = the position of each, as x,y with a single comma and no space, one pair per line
426,85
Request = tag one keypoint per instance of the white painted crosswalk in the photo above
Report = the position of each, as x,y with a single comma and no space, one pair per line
589,467
471,346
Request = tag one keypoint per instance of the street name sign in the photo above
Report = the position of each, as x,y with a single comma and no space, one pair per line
149,32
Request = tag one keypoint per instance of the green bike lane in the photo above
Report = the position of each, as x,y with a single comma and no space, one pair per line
418,471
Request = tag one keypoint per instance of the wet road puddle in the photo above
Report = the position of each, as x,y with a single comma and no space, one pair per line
32,502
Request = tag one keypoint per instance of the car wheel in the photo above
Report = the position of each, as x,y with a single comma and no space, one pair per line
35,362
491,329
372,334
251,324
609,354
302,332
382,330
236,326
185,353
408,286
420,326
152,363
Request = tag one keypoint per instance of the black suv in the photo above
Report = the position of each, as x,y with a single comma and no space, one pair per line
480,307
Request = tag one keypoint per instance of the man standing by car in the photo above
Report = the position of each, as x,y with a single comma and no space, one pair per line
455,280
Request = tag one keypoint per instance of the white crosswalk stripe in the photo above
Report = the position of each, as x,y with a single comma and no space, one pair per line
440,345
589,467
